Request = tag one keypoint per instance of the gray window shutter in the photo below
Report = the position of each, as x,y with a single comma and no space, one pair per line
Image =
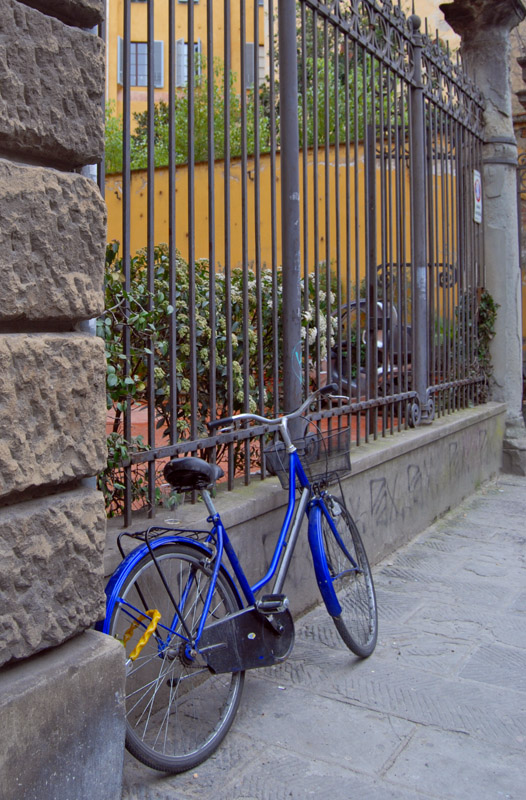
158,54
249,64
120,57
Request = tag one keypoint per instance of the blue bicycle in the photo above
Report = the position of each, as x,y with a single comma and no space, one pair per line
192,624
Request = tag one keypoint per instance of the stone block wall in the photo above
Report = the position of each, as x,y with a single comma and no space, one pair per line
52,240
61,683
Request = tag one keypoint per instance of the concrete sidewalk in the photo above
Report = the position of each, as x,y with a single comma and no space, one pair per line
438,711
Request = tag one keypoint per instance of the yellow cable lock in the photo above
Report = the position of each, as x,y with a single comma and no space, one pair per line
154,616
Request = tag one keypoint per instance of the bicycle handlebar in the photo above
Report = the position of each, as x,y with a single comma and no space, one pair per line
247,416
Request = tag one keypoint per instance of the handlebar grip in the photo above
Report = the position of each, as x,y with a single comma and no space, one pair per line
331,387
220,423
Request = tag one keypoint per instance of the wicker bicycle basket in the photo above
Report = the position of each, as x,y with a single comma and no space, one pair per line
324,455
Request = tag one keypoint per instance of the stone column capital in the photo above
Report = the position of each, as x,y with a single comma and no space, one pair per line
469,18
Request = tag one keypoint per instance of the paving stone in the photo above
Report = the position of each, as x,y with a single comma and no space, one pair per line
458,766
497,665
320,728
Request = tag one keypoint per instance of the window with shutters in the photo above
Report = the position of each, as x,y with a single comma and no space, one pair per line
181,61
139,63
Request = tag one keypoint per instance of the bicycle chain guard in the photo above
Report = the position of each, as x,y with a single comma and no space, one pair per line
248,639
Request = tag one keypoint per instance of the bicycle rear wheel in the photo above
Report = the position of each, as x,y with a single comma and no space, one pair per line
351,579
177,710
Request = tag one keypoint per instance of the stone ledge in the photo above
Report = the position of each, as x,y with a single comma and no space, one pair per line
80,13
54,268
51,580
53,386
51,90
63,722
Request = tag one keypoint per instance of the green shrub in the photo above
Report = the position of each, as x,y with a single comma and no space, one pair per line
146,317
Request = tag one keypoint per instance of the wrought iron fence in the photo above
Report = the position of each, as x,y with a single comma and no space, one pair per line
291,186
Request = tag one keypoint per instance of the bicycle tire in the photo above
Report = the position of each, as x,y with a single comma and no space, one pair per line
358,622
177,710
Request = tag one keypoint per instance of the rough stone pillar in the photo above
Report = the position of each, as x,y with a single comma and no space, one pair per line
61,684
485,26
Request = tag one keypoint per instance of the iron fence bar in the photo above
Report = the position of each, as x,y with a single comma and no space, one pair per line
464,298
326,172
387,261
150,172
434,245
244,226
227,58
396,276
273,206
452,341
315,193
371,283
360,382
212,350
420,366
126,255
172,259
191,221
471,254
344,347
348,216
456,289
304,146
382,338
337,212
474,258
406,207
257,219
443,286
290,205
467,260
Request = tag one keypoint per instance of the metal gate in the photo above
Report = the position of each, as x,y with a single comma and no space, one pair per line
293,204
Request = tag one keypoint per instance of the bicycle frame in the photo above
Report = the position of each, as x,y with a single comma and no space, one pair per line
283,550
286,543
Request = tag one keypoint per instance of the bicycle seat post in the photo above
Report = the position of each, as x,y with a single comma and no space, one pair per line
205,494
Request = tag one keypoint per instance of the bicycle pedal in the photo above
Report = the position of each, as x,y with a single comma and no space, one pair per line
269,603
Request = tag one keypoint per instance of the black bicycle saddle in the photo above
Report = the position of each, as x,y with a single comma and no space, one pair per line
189,473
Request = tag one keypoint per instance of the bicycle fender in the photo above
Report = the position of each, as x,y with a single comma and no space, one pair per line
321,569
114,585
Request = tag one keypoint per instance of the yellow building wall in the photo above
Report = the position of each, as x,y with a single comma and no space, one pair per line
348,222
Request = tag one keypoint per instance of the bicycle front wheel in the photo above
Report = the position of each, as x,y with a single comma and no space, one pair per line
177,710
351,579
